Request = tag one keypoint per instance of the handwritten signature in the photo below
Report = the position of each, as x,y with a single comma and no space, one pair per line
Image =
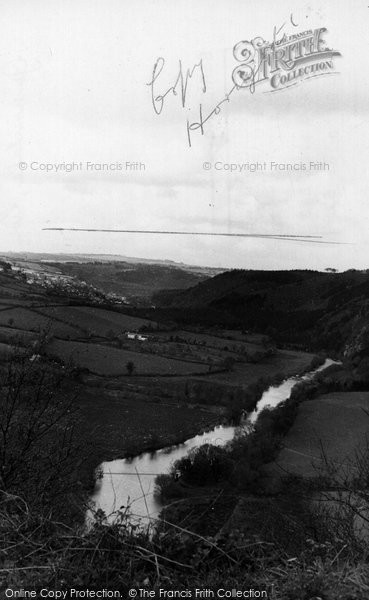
181,86
199,125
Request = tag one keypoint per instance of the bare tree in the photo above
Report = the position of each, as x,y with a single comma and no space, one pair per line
36,428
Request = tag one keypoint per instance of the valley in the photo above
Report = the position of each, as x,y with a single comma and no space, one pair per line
140,369
140,383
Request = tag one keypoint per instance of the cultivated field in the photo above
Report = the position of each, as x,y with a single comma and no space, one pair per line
286,363
212,341
96,321
117,425
109,361
6,302
10,335
29,320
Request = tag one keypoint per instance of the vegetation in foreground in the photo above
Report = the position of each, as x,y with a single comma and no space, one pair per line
225,537
280,544
42,552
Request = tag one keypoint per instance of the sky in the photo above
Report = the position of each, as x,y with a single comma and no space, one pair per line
74,78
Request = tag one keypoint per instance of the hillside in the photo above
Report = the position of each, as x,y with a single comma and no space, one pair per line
131,380
134,279
113,353
311,309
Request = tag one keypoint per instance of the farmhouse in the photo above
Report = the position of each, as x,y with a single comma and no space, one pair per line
136,336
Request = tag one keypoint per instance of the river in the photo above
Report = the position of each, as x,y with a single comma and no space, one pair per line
131,481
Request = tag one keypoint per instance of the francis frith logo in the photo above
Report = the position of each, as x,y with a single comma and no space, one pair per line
283,62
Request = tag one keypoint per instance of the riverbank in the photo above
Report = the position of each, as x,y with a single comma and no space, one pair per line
200,462
266,543
113,428
118,427
328,430
240,466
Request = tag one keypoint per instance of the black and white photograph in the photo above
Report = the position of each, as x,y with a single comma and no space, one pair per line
184,299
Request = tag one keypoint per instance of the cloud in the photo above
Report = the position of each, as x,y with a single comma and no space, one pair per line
74,76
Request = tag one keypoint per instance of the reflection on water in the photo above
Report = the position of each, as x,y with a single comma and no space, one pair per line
126,481
277,394
131,481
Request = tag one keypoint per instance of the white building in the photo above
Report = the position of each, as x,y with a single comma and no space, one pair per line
136,336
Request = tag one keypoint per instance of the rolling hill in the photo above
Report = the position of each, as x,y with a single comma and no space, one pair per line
311,309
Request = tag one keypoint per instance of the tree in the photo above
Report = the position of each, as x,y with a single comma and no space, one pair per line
5,265
37,442
130,366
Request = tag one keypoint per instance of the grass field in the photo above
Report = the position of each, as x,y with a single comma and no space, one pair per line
5,350
28,320
213,341
327,435
284,362
10,287
109,361
7,303
334,424
118,426
97,321
67,321
10,335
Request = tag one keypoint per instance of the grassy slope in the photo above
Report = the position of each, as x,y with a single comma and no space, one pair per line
334,423
30,320
119,426
126,279
285,362
96,320
108,361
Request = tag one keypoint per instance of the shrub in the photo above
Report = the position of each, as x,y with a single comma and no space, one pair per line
204,465
130,366
38,448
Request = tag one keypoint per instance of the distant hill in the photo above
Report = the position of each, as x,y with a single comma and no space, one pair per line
105,258
137,282
308,308
133,278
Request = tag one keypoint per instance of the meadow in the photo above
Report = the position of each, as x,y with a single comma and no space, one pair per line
96,321
329,427
108,361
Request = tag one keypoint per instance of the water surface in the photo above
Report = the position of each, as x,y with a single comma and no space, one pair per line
131,481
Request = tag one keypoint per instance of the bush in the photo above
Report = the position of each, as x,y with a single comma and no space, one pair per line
166,487
130,366
204,465
38,449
